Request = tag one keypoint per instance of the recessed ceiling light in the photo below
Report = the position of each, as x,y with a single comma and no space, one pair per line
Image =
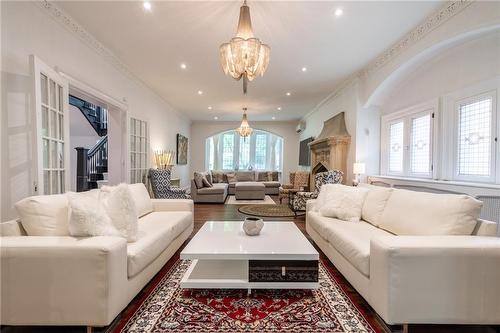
183,66
288,93
210,108
200,92
147,5
273,118
304,69
215,118
339,12
279,108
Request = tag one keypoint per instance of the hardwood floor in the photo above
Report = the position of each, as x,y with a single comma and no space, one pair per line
214,212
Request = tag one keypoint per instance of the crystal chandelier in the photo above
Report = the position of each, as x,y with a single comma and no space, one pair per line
244,130
244,56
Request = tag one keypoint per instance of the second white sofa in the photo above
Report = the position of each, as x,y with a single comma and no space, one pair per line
65,280
436,266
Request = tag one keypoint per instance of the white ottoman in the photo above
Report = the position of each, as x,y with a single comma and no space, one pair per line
249,191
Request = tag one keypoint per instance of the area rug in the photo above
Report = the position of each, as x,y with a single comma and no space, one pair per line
231,200
165,307
268,211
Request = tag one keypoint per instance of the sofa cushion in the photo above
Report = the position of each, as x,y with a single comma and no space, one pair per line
421,213
217,188
272,184
88,217
263,176
245,176
156,231
44,215
343,202
375,202
142,200
351,239
231,177
198,179
218,177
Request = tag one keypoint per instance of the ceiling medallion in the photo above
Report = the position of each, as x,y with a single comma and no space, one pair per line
244,56
244,130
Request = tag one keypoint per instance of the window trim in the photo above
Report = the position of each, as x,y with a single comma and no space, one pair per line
407,115
236,147
449,132
494,153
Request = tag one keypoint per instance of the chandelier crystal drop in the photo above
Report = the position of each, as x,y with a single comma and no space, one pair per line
245,56
244,130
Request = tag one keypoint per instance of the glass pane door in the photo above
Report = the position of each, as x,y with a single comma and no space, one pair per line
51,99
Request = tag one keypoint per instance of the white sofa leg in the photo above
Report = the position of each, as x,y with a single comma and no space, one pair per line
405,328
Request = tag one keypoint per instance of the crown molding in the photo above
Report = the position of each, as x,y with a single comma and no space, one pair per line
68,22
433,21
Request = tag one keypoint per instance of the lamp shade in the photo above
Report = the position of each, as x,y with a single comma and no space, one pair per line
358,168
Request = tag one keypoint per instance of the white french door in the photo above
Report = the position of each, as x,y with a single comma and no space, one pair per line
51,128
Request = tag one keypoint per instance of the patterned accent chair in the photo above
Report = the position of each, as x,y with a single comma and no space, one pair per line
161,185
321,178
297,180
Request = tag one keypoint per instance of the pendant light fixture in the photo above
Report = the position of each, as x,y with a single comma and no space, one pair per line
245,56
244,130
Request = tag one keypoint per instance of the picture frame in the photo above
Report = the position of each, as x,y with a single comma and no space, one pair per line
182,149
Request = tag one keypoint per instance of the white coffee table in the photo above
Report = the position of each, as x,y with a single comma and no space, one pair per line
223,256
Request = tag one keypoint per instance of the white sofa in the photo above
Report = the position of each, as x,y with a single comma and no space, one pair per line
429,273
64,280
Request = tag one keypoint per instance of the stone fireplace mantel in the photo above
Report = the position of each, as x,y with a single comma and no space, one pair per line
329,150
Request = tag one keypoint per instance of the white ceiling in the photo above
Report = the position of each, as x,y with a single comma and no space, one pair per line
301,34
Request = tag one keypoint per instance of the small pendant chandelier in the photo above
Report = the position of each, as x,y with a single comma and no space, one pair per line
244,56
244,130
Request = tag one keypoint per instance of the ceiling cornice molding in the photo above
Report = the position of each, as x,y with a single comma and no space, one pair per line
433,21
68,22
420,31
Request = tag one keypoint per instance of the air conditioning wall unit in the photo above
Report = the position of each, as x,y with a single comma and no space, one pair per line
300,127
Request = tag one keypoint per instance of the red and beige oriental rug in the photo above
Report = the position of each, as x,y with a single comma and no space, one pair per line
164,307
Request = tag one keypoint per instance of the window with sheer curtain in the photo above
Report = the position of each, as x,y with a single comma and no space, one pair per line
228,151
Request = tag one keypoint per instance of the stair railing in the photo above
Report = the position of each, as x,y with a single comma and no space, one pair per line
88,160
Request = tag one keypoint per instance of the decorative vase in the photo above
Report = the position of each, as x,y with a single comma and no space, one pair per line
252,226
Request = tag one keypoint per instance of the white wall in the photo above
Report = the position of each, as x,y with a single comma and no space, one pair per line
26,29
346,102
201,130
461,51
456,68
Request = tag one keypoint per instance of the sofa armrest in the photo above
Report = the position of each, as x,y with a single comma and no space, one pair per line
62,280
435,279
310,205
164,205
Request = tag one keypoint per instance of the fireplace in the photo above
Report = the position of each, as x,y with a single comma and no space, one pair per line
329,150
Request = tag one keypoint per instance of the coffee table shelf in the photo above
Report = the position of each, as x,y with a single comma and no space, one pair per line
220,254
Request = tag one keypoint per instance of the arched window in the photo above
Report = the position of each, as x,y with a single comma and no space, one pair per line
228,151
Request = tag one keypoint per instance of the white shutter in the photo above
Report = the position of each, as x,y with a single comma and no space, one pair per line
396,147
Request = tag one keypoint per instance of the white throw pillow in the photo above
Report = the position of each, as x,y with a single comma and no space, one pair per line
141,197
375,202
344,202
321,199
420,213
44,215
120,208
87,216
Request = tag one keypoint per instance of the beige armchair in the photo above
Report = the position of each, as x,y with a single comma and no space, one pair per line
298,182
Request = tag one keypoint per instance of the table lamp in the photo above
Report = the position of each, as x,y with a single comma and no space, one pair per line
358,169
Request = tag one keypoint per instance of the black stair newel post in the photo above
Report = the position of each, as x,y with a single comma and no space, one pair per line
81,169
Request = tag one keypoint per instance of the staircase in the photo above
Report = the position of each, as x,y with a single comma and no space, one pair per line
96,115
92,163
